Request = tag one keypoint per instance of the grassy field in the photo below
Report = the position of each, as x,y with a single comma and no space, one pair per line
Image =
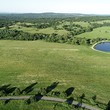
42,105
26,62
101,22
35,30
102,32
83,24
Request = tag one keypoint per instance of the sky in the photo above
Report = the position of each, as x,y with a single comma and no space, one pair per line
58,6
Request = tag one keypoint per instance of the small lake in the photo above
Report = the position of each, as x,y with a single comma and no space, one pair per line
103,46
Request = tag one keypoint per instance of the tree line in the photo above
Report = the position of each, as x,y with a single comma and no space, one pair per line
6,34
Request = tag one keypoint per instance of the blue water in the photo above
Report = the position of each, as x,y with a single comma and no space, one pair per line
103,46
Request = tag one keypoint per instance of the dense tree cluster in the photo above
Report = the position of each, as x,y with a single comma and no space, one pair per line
4,23
7,34
50,18
19,35
38,26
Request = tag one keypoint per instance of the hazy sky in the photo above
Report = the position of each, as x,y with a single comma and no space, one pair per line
60,6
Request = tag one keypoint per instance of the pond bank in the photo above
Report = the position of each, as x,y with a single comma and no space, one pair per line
103,46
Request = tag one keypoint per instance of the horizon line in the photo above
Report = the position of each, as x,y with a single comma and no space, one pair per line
53,13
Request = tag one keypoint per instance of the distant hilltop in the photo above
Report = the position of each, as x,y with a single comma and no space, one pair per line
48,15
45,15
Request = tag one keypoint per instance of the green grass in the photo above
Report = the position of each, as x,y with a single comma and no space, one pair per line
41,105
35,30
101,22
51,30
25,62
83,24
102,32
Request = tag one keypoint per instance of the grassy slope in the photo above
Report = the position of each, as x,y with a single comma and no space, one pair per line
25,62
102,32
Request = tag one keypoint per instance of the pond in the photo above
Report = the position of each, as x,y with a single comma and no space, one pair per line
103,46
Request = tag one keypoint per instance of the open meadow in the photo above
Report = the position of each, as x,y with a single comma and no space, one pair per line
26,62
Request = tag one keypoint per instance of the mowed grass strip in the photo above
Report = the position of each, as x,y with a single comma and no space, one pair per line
26,62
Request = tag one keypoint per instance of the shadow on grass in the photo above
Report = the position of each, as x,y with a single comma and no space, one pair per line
69,91
28,88
38,97
70,100
4,87
51,87
6,90
6,102
34,98
108,106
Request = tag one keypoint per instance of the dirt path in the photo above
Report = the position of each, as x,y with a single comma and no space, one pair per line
49,99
